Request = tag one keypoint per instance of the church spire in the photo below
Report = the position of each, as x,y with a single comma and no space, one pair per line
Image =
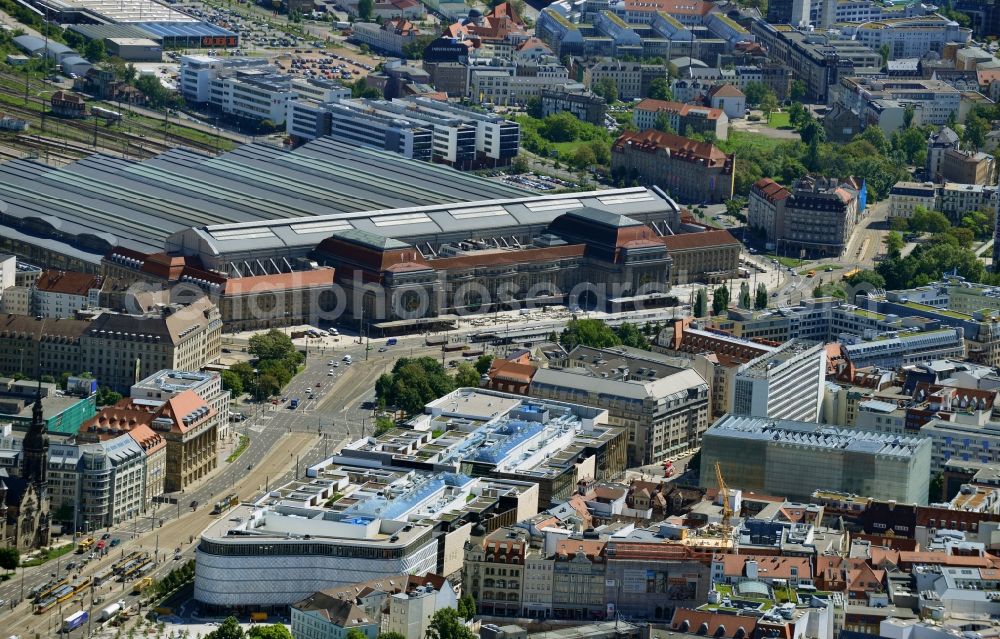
36,446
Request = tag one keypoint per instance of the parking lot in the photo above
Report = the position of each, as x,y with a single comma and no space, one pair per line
318,63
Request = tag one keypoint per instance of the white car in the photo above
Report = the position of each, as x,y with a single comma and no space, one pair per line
331,362
330,373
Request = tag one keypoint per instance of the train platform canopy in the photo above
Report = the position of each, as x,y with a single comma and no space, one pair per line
83,210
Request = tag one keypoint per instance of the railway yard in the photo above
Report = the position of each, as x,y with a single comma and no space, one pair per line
60,140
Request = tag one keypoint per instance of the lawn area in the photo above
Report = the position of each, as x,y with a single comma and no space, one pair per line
568,148
741,140
48,555
793,262
242,446
779,120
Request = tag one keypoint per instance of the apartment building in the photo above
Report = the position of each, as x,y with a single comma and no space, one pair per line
942,140
784,384
715,355
392,36
119,350
766,208
51,345
585,105
681,118
688,170
820,215
968,167
883,102
59,294
957,199
905,197
663,407
631,78
792,458
773,76
814,58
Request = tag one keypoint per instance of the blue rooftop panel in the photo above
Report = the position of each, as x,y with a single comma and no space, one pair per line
183,29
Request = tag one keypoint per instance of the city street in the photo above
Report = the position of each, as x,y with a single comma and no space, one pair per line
283,443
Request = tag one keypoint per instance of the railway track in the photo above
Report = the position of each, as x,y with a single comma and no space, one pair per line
140,141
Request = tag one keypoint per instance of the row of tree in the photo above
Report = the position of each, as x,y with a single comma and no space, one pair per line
721,299
595,333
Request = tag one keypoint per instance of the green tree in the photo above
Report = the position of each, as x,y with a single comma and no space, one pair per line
744,301
107,397
95,51
893,244
589,332
365,9
797,91
874,136
755,92
760,301
483,364
867,277
413,383
607,88
360,89
720,299
156,94
467,607
273,344
630,335
798,115
354,633
908,113
701,303
233,383
583,158
279,631
390,635
447,624
383,425
974,133
10,558
266,386
883,52
228,629
663,123
533,107
935,490
560,127
520,165
466,376
659,89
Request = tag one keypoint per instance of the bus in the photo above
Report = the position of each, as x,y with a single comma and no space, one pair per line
851,273
74,621
85,545
141,585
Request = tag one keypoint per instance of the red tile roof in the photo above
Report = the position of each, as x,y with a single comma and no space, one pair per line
282,282
67,282
703,240
770,190
651,141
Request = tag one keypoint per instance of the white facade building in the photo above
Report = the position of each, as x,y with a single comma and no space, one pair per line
410,612
785,384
